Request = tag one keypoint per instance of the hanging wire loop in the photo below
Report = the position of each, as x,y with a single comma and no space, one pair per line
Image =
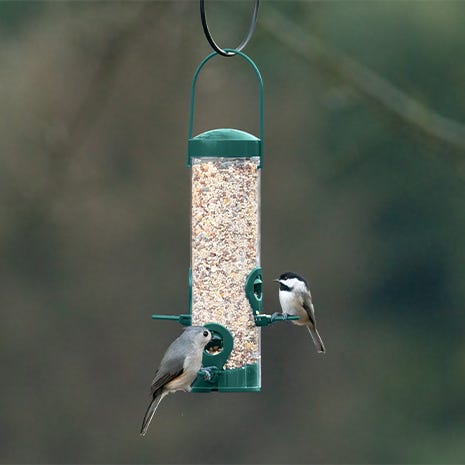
209,37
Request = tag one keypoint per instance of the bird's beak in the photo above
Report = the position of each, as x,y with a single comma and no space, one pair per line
276,280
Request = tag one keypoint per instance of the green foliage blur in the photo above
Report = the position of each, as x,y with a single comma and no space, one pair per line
94,234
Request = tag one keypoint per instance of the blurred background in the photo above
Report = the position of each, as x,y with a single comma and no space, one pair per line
362,193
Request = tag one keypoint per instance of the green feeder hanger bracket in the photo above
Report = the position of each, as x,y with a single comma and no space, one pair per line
225,142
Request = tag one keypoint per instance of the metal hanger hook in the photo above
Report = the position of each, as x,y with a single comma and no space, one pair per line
209,37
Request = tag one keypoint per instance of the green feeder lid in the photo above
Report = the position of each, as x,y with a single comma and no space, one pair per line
224,142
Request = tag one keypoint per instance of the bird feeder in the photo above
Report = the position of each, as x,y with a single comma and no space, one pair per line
225,278
225,244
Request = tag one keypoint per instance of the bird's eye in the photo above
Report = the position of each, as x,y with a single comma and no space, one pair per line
205,334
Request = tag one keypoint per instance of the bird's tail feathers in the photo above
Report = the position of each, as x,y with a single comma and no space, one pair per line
320,347
151,412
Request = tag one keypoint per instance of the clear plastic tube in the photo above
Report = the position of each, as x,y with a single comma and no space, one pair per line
225,240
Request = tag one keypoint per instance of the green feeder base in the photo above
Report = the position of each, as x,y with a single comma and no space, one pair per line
245,379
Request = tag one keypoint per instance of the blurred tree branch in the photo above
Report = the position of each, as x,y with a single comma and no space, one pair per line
377,90
416,117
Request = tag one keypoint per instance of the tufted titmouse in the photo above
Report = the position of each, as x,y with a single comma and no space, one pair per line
178,368
295,299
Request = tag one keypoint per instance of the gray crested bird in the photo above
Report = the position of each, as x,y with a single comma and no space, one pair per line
178,368
295,299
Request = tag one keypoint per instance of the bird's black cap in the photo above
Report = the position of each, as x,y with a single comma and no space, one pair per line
292,275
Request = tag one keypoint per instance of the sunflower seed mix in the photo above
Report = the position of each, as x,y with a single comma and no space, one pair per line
225,249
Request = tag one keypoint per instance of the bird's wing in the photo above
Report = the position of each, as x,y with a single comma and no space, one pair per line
171,367
172,363
308,306
163,378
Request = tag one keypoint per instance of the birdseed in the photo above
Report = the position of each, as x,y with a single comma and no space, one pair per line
226,248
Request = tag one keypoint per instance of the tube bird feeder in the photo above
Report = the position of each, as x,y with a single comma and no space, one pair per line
225,243
225,278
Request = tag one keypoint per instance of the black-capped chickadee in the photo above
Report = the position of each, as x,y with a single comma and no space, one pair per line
295,299
178,368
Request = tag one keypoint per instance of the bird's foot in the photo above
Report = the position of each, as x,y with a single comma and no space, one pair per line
207,373
276,316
